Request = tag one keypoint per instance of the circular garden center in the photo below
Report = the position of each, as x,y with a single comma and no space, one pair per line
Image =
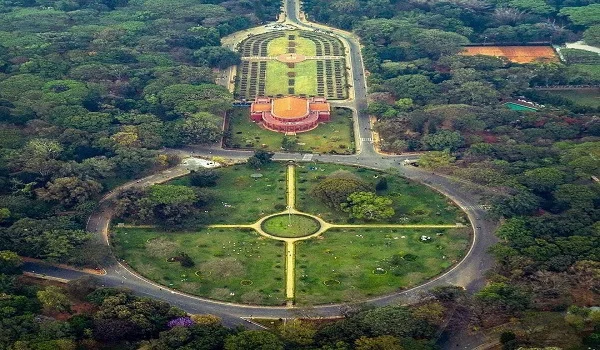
290,226
304,234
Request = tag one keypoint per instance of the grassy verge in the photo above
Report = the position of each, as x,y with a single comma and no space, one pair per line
413,203
335,136
236,266
590,98
240,198
350,265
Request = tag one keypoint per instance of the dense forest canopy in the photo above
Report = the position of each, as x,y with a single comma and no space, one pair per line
90,91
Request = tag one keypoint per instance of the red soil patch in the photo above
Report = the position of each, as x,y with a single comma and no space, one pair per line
517,54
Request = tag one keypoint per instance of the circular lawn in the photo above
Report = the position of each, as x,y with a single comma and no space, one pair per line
290,226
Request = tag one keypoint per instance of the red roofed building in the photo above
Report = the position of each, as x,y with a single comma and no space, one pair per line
290,114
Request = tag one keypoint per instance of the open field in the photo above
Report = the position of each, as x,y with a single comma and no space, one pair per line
590,98
333,136
230,265
350,265
413,203
517,54
241,199
303,46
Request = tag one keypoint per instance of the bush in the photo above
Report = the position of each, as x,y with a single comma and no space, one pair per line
280,207
204,178
382,184
185,260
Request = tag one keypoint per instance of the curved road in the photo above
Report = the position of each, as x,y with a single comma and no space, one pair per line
468,273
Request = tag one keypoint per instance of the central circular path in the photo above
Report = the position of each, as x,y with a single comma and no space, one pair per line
290,226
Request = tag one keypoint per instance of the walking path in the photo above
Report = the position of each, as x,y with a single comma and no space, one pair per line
580,45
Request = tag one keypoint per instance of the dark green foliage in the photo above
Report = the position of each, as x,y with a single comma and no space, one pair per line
185,260
381,184
204,178
259,159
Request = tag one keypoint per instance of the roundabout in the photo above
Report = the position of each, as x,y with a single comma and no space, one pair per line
296,256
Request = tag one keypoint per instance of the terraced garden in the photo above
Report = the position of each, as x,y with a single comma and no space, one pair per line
298,63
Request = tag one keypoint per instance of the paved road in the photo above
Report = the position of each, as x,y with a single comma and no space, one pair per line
469,273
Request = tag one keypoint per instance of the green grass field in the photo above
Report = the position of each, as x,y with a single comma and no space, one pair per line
334,136
290,226
589,98
590,70
343,264
241,199
303,46
305,81
413,203
236,266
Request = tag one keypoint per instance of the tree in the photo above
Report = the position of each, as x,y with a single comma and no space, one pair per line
395,321
297,333
429,41
443,140
288,143
416,87
217,56
201,127
436,159
592,35
54,299
185,260
82,286
204,177
521,203
576,196
69,191
259,159
335,189
259,340
538,7
368,206
543,179
10,262
384,342
583,15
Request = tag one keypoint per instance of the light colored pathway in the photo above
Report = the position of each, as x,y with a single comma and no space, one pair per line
290,271
291,186
580,45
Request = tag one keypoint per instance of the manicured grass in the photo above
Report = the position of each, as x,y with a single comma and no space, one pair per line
589,98
236,266
333,136
303,46
591,70
413,202
305,81
342,265
290,226
241,199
